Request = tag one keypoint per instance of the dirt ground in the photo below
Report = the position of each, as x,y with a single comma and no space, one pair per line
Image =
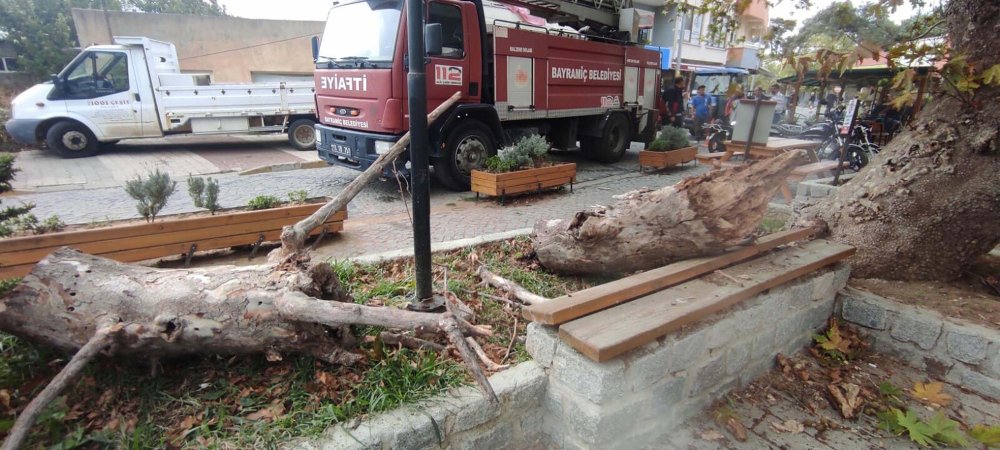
793,405
974,297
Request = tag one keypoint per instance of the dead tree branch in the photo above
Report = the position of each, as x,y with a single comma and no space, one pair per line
525,296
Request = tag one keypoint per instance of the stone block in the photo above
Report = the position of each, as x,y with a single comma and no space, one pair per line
499,437
410,430
822,286
586,421
541,343
708,377
475,411
966,346
597,382
975,381
842,273
863,309
672,355
663,399
738,356
920,329
992,364
521,386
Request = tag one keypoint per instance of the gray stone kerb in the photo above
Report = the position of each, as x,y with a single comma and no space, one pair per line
442,246
460,418
956,350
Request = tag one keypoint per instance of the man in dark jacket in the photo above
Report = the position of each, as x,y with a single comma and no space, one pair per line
673,97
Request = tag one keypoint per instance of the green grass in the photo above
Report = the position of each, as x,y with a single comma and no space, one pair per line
219,395
772,224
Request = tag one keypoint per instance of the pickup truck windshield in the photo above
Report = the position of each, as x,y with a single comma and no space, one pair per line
364,30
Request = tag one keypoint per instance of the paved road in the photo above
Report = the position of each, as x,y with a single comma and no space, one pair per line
379,219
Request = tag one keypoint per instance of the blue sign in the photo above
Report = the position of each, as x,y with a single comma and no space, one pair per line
665,62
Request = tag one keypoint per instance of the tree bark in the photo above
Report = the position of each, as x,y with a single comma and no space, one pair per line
646,229
929,204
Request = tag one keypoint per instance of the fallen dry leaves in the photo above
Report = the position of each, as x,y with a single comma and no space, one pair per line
847,398
931,393
789,426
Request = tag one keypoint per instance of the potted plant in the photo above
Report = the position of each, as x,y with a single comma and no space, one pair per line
669,149
521,168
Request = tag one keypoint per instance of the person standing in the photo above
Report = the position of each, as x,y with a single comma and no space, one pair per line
701,111
674,100
781,103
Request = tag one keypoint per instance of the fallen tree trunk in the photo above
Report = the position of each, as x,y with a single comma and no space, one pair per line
699,216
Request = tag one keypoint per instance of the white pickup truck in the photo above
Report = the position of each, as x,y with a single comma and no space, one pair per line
135,89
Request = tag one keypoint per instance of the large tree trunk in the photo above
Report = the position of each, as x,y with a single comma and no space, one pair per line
930,203
646,229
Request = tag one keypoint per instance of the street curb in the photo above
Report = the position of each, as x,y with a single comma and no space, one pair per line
440,246
285,167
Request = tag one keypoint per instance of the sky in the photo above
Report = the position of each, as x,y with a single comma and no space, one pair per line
318,9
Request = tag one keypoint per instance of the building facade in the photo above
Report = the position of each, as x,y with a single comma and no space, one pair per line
231,49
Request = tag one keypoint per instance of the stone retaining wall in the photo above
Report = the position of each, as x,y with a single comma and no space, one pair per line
564,400
638,398
809,191
955,350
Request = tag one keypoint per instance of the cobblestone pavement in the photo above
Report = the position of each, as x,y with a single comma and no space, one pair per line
378,217
179,156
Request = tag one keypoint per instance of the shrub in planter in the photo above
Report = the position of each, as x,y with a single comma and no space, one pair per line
528,157
263,202
671,138
530,151
151,193
670,148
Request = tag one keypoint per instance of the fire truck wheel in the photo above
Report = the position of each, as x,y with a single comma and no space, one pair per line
612,144
466,148
302,134
72,140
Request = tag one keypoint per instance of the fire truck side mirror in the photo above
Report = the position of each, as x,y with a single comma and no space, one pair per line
315,48
433,39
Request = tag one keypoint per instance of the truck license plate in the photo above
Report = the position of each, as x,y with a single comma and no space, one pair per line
342,150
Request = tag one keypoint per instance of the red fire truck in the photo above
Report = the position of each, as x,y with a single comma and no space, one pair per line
516,78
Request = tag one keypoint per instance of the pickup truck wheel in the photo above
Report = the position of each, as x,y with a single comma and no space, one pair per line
302,134
466,149
72,140
612,144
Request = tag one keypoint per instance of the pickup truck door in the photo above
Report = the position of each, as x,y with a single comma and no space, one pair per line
142,93
97,86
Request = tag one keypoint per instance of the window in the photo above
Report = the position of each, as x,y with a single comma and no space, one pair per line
450,18
692,28
94,74
9,64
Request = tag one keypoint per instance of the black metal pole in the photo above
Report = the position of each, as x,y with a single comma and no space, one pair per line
420,185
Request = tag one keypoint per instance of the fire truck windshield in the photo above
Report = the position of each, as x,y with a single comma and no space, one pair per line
364,30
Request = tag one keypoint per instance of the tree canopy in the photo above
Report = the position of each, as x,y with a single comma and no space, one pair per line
43,34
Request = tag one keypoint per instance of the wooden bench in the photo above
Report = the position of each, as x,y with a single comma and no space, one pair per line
804,171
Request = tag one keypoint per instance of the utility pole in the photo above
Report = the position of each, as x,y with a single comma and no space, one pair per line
423,299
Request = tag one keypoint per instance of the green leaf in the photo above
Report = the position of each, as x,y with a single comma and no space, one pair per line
987,435
919,432
945,430
887,421
991,76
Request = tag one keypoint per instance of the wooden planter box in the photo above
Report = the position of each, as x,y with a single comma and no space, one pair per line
662,160
521,181
165,237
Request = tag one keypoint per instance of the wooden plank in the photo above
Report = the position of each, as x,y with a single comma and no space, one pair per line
567,168
612,332
578,304
133,255
152,240
127,231
541,182
131,250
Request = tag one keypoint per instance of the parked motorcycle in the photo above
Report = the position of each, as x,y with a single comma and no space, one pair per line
716,133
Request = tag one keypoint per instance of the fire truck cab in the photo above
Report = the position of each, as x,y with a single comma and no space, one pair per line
517,75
